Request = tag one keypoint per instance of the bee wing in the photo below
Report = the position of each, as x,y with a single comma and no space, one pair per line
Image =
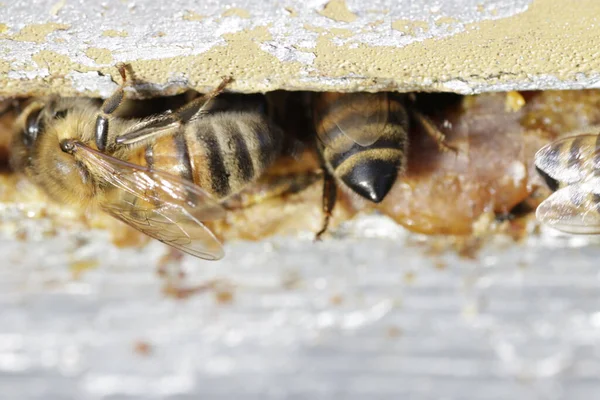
152,127
363,118
156,203
574,208
570,159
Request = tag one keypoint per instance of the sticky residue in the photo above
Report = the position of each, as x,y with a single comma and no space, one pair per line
142,348
236,12
3,28
114,33
37,32
337,10
514,101
99,55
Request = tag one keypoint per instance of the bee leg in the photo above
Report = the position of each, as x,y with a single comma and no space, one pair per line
166,124
108,107
329,200
269,187
199,106
434,132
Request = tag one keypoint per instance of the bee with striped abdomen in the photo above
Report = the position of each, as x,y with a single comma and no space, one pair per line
362,140
163,175
570,167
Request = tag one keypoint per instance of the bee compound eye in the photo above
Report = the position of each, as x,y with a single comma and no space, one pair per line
33,127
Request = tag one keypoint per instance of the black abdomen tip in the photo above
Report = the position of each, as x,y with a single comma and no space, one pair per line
372,179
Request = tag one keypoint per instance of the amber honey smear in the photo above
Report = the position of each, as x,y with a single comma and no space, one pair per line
478,189
445,193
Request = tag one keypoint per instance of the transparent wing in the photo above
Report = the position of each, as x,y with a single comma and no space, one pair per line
360,116
152,127
570,159
156,203
573,209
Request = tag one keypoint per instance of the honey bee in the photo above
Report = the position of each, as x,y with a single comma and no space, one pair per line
570,167
363,143
163,175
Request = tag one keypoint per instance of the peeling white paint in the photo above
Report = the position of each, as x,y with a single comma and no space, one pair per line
539,82
154,30
287,53
93,82
442,19
25,74
458,86
133,31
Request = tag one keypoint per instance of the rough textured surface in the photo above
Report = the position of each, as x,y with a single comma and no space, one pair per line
356,318
372,315
464,46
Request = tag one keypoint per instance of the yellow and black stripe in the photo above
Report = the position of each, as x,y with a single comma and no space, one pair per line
569,160
221,153
371,170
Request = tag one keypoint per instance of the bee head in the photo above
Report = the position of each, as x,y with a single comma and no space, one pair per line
30,126
36,147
